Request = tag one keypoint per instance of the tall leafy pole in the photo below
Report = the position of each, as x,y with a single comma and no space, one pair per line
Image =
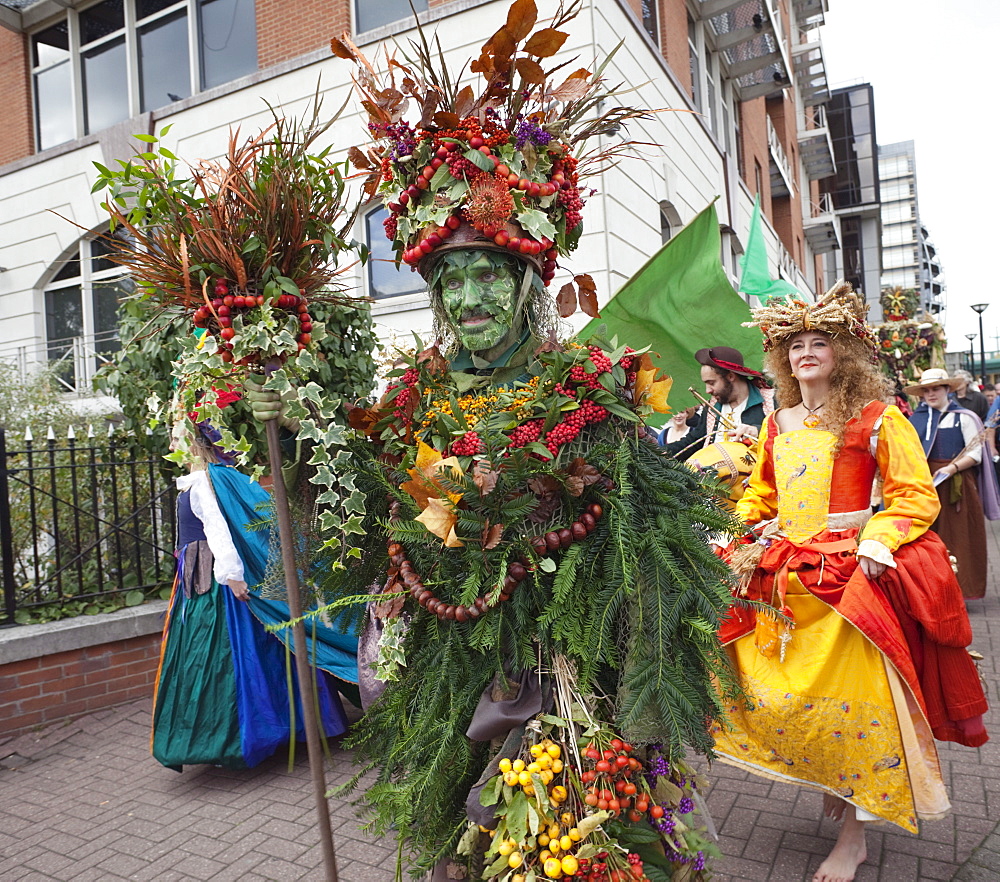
241,247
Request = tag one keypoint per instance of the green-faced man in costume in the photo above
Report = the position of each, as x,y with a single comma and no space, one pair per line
540,562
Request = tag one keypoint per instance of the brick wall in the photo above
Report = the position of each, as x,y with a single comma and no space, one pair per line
286,30
17,139
753,135
674,40
36,691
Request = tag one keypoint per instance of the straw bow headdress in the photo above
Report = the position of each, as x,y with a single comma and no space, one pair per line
838,311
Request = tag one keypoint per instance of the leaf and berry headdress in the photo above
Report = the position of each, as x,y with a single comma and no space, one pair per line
838,311
498,169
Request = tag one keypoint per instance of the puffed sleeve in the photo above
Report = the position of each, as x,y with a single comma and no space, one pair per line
911,502
228,566
760,499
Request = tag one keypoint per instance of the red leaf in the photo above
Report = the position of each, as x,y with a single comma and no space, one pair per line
574,87
492,535
566,300
464,101
444,119
588,294
545,42
530,71
521,18
342,50
485,477
358,158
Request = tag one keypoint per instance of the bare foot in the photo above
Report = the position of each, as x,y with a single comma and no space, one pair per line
833,806
848,854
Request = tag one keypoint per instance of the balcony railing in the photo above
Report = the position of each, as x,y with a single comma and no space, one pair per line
810,13
782,175
815,146
822,226
810,72
746,38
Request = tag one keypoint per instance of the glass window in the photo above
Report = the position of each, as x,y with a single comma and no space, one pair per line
228,41
164,69
81,304
51,45
649,20
54,106
371,14
105,86
385,279
90,59
144,8
694,62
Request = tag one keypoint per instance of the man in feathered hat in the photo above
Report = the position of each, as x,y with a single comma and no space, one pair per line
741,396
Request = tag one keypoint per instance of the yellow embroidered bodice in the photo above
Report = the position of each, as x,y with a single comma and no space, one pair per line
802,467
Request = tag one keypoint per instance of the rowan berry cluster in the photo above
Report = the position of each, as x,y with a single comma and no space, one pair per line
468,445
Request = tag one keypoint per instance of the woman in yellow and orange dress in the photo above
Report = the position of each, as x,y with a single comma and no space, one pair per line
867,665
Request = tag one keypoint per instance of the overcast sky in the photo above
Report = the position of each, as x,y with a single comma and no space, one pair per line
934,67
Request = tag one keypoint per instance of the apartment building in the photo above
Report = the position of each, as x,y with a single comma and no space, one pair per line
909,258
743,85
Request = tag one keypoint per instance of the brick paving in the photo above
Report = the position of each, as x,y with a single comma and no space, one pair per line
83,801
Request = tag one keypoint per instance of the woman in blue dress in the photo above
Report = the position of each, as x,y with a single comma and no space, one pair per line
221,694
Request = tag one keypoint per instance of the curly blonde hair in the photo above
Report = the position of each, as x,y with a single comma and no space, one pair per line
854,382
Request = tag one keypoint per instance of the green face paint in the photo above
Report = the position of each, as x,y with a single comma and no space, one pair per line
479,293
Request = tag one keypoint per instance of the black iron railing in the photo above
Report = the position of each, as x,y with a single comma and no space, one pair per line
81,521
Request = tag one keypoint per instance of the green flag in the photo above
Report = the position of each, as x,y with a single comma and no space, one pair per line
756,278
679,302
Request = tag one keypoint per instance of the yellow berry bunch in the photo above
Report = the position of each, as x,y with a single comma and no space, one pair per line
547,843
546,762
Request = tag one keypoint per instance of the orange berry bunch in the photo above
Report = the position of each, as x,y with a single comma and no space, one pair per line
614,780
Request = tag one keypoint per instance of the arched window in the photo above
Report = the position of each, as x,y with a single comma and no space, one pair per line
384,279
81,313
670,221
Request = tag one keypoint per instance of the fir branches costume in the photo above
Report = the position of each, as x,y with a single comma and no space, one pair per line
550,600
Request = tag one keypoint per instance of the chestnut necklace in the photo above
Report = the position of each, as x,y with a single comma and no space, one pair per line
516,572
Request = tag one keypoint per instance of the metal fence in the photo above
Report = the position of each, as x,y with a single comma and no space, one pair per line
80,521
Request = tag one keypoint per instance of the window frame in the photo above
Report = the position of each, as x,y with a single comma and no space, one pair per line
383,244
357,29
86,280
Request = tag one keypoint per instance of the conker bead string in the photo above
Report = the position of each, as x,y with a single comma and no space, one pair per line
517,572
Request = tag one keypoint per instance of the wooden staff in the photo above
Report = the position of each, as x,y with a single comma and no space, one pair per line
722,417
306,675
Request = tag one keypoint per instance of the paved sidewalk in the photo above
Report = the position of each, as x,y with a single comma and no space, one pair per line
85,801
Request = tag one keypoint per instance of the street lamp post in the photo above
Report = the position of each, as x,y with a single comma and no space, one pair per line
972,353
979,307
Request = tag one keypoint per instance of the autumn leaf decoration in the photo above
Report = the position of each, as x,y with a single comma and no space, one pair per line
437,505
650,390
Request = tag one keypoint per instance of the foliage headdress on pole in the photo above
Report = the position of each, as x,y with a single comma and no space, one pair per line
242,244
498,169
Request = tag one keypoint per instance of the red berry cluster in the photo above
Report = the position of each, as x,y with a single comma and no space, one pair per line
601,362
614,780
217,317
405,401
526,433
563,432
468,445
597,870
